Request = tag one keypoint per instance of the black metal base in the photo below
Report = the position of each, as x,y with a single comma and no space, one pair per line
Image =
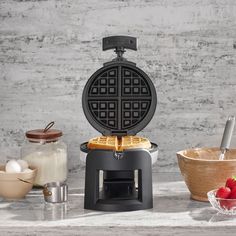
119,191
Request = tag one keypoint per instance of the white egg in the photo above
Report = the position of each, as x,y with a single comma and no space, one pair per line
24,164
27,170
13,166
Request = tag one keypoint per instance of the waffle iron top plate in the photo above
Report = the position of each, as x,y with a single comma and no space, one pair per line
119,99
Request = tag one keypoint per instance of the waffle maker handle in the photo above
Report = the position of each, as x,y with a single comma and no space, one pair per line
119,43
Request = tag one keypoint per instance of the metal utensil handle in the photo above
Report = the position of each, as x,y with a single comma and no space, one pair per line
228,132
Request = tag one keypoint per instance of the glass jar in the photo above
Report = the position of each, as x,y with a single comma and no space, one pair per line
47,153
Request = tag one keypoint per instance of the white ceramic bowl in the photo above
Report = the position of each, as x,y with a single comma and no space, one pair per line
13,188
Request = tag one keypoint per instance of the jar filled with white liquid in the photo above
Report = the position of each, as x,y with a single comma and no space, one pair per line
45,150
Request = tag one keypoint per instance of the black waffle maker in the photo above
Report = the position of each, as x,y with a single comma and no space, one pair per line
119,99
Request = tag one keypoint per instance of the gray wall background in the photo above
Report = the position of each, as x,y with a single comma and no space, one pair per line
48,50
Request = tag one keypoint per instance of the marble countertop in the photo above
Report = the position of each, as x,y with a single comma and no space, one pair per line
173,214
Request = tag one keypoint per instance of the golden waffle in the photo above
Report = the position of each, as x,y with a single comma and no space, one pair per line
119,144
103,142
131,142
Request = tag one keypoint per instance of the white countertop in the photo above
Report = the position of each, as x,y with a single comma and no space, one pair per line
173,214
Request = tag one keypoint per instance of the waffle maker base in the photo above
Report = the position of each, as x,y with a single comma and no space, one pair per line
118,192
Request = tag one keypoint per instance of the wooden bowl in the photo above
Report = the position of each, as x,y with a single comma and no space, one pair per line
11,187
203,171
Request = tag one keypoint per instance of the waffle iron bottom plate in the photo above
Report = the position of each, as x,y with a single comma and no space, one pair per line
84,151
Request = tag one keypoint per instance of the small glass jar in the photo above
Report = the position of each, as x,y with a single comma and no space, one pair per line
47,153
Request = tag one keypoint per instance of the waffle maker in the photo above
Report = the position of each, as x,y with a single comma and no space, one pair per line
119,99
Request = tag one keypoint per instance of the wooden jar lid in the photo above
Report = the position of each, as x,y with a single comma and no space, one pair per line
46,133
40,134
